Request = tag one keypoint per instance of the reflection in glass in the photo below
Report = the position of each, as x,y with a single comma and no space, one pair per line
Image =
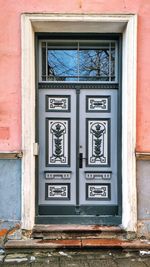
79,63
62,65
94,64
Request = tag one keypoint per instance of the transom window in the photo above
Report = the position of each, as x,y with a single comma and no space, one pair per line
93,61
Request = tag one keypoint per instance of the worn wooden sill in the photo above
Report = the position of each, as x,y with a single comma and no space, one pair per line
142,155
11,155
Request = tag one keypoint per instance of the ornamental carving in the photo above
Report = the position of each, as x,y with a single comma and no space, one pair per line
58,142
98,191
98,135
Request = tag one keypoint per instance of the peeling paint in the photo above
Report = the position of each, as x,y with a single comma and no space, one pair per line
3,232
9,233
143,227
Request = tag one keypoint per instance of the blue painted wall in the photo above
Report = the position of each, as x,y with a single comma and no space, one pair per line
10,195
10,190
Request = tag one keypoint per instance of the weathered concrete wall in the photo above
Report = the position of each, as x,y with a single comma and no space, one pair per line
143,180
10,196
143,186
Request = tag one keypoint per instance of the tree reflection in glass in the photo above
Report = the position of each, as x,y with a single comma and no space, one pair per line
62,65
79,63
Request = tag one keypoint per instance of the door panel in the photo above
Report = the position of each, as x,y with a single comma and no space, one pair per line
77,153
57,159
98,145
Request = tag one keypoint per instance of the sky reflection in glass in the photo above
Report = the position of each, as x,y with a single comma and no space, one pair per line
84,64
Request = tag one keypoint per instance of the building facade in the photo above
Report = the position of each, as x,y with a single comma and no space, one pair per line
74,109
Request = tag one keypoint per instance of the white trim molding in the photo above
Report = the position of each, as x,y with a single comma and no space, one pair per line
118,23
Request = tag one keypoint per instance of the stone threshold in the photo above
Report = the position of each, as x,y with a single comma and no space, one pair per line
80,243
38,228
78,232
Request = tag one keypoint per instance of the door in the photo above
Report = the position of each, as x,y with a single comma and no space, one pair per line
79,150
78,154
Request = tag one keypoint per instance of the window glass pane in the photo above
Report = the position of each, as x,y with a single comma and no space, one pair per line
79,61
94,65
62,65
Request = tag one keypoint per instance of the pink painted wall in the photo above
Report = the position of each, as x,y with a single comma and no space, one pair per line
10,60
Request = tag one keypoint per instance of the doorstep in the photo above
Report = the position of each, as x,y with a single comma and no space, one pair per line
81,243
77,232
78,236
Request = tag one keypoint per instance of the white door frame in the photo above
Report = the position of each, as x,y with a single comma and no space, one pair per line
118,23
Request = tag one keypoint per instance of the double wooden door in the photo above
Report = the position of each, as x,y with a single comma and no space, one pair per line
78,155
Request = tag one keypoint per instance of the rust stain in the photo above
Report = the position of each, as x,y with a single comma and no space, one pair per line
102,242
11,232
61,243
115,243
3,232
6,231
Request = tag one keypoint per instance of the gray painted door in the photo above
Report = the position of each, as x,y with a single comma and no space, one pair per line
98,147
77,153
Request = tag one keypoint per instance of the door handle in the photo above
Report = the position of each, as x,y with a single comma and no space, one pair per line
80,160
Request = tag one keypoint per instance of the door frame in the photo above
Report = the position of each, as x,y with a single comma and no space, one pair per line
125,24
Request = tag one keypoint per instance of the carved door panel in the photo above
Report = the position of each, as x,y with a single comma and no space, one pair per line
57,156
98,151
78,172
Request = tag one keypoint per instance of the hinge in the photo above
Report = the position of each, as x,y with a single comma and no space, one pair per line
35,149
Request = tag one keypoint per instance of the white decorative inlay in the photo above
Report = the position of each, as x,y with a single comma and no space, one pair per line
58,191
57,175
98,175
96,104
97,191
58,141
58,103
98,142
